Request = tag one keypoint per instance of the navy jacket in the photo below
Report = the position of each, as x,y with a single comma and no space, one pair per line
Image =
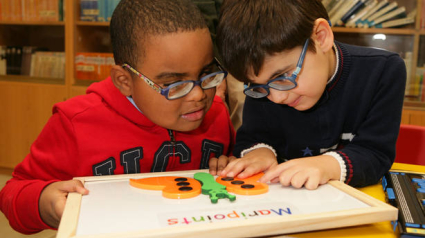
358,117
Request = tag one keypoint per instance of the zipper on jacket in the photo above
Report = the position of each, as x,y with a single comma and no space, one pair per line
172,139
173,143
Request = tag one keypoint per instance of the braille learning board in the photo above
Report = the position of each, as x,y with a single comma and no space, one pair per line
406,191
119,206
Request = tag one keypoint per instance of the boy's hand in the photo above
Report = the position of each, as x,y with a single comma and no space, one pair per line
53,198
217,165
256,161
309,172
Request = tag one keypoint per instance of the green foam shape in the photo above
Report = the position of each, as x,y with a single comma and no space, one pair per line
212,188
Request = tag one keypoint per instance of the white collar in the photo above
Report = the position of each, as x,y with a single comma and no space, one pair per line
337,64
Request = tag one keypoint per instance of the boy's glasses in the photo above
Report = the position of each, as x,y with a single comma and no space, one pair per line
282,83
182,88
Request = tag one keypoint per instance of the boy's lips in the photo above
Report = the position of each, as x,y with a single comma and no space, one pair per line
194,115
294,103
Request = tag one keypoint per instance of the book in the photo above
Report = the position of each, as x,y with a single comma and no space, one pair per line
3,60
353,10
397,13
420,73
423,15
336,7
326,3
93,66
409,19
344,8
101,4
410,89
61,10
16,10
13,60
383,11
6,10
368,6
363,19
93,10
31,12
17,60
396,23
27,52
47,64
9,67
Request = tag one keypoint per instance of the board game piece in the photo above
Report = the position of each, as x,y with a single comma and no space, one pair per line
247,186
212,188
171,186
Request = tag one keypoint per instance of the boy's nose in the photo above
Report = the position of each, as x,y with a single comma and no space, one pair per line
277,96
197,94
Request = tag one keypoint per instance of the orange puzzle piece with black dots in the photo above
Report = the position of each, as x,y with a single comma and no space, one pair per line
172,186
246,186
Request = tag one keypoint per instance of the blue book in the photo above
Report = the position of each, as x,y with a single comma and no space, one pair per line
359,5
94,10
83,7
101,4
89,10
109,9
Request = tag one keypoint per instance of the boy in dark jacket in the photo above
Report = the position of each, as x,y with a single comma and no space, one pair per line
322,109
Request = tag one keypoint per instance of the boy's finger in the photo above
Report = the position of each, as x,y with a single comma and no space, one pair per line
272,173
312,183
212,164
238,166
299,179
288,177
228,168
223,161
249,171
231,159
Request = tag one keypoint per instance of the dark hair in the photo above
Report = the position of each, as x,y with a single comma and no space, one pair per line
249,30
133,21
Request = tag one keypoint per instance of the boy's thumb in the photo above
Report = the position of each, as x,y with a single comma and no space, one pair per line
76,186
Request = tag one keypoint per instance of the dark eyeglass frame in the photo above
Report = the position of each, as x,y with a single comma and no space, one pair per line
165,91
250,90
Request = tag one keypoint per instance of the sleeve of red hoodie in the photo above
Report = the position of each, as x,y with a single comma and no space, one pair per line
49,160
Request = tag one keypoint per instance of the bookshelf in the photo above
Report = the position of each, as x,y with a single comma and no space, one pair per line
409,42
26,102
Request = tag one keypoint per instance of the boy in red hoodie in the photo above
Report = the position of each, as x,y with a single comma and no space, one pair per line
157,112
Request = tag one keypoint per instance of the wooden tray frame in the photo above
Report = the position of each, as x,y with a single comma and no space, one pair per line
377,212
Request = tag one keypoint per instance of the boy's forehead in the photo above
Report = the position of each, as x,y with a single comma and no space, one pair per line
274,65
177,50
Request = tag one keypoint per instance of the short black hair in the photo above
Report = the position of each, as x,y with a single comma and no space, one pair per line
133,21
249,30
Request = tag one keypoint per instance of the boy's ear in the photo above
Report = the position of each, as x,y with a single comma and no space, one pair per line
122,80
323,35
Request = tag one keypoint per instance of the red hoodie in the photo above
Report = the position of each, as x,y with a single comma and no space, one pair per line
102,133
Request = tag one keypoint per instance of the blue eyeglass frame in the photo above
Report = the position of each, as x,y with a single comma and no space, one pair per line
291,78
164,91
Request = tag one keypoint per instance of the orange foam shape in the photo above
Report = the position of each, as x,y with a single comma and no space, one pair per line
259,188
169,186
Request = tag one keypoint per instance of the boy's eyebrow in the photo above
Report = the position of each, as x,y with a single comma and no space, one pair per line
209,64
166,75
279,72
